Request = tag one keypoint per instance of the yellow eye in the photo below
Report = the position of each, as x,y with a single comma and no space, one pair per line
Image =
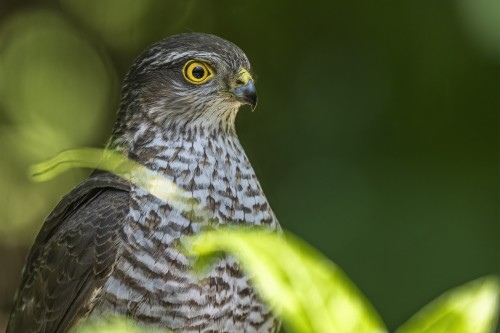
197,72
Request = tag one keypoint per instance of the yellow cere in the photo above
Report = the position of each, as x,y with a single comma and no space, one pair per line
244,76
197,72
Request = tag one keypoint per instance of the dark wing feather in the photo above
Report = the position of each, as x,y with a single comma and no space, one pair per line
71,257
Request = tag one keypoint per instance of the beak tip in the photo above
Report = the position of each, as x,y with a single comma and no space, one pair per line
252,101
246,94
253,106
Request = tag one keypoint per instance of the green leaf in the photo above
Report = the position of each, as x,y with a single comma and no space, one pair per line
310,293
112,324
471,308
113,161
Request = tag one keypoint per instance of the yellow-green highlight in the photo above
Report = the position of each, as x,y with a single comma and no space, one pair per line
471,308
115,162
309,292
112,324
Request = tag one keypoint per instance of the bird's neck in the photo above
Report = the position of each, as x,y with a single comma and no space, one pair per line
153,146
137,124
211,167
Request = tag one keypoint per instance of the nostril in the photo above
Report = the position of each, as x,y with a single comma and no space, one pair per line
240,82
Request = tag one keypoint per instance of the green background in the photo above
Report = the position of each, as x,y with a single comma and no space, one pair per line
376,138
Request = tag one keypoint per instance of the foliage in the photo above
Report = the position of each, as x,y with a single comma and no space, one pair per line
313,295
376,135
111,324
308,291
471,308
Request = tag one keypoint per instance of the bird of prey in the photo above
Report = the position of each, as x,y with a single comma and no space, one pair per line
109,246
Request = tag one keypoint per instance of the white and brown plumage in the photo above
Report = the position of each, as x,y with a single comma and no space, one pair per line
109,246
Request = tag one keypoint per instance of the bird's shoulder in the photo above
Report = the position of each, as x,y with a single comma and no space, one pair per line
71,256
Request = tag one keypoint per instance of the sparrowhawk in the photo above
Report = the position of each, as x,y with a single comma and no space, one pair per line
109,246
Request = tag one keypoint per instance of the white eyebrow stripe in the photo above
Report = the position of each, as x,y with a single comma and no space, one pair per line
156,60
173,56
176,55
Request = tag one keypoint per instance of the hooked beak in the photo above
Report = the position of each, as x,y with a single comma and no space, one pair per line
245,91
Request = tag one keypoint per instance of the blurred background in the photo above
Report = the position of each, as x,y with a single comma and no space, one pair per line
376,139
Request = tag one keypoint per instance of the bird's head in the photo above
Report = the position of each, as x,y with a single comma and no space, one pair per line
191,79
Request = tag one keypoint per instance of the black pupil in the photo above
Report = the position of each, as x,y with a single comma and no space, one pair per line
198,72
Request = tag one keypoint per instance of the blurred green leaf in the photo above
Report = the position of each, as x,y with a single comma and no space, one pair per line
112,324
156,184
93,158
309,292
115,162
471,308
482,18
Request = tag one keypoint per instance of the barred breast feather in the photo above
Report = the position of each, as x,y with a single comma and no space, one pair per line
152,280
112,247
